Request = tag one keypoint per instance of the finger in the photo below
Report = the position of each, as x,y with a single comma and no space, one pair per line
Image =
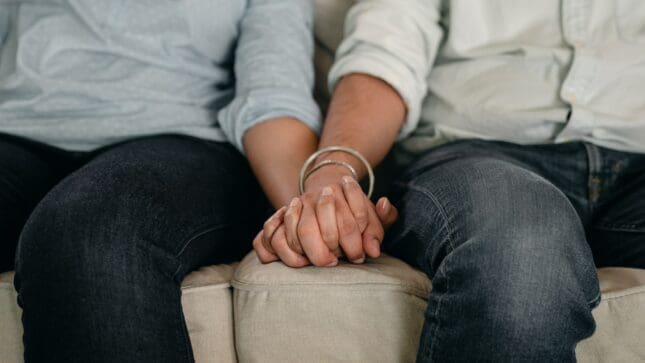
263,254
356,201
373,235
286,254
311,240
291,219
270,226
387,213
349,235
326,216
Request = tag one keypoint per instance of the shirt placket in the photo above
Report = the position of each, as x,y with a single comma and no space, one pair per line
575,87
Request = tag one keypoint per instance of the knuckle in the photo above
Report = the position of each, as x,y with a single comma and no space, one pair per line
276,242
347,227
317,255
306,229
329,236
375,229
257,243
269,223
325,200
290,215
291,261
361,217
293,245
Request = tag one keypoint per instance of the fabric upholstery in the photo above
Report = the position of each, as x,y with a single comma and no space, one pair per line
350,313
10,325
207,302
374,312
620,318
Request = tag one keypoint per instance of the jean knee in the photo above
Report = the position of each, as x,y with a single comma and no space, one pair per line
495,215
90,232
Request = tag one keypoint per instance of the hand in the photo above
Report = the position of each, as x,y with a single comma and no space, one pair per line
325,223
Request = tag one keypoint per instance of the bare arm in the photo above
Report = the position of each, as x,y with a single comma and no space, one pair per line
334,214
276,150
397,44
365,114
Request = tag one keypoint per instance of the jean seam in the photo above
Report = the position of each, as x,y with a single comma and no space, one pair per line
628,228
431,349
195,235
449,238
595,301
440,208
189,240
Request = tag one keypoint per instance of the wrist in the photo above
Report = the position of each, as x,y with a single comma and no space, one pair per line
328,175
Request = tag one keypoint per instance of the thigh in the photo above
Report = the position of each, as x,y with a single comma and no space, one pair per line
617,235
195,202
122,231
25,177
500,243
468,200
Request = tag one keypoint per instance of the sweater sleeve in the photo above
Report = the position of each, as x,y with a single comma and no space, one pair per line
273,68
396,41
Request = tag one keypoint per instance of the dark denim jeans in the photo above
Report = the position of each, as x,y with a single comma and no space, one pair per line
509,234
111,236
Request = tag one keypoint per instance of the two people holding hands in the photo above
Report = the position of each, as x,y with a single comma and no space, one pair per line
122,129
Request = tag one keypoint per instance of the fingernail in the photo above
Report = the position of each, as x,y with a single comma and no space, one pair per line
334,263
359,261
294,202
376,243
348,179
386,205
327,191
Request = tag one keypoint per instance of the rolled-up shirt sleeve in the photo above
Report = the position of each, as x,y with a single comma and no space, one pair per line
273,68
393,40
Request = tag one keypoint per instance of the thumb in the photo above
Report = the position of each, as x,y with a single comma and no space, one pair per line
387,213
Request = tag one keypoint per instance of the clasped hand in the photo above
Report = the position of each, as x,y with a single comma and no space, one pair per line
331,220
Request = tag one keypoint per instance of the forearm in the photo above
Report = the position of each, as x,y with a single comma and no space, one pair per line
365,114
276,150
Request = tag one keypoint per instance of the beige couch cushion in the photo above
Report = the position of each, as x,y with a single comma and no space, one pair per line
10,325
350,313
620,318
207,303
374,313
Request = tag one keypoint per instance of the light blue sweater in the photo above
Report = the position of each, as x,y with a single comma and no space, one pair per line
81,74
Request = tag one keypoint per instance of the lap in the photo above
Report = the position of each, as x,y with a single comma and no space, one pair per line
181,199
465,192
25,177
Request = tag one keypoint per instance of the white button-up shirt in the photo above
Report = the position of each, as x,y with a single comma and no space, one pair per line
523,71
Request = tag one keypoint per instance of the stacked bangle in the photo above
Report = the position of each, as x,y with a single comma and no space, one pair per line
305,172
